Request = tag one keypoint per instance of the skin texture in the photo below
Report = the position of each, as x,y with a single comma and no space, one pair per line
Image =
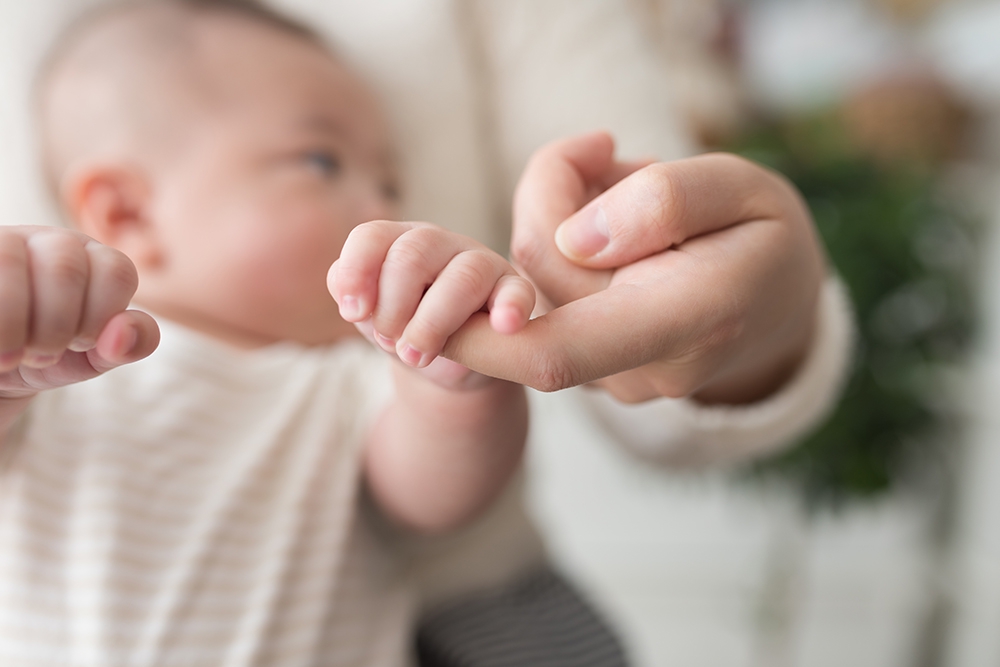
698,277
232,229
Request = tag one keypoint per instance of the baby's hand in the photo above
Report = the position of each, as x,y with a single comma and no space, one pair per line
62,310
412,285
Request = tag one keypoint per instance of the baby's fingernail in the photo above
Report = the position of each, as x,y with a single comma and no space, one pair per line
386,344
413,357
507,319
350,308
82,344
585,234
36,360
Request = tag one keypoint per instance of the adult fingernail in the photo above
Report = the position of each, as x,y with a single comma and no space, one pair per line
585,234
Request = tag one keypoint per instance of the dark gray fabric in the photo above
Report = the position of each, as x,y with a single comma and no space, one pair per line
539,622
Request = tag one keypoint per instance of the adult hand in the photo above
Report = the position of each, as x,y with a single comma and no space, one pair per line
696,277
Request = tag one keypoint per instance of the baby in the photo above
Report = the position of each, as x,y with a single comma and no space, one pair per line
223,500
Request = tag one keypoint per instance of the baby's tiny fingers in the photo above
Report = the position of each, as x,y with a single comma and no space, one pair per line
451,375
461,289
413,263
59,271
15,300
510,304
353,278
127,337
113,281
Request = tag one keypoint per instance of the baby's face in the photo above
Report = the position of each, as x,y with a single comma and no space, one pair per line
290,155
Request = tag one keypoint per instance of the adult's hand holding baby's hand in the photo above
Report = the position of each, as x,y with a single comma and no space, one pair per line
409,286
697,277
63,317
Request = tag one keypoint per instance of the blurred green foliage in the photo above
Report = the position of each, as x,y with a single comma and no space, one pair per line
905,252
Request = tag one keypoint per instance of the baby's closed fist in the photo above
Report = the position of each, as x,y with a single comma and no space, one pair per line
416,284
63,317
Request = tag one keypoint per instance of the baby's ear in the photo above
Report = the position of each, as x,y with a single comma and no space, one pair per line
111,202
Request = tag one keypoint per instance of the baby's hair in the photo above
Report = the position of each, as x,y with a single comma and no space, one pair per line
253,10
159,29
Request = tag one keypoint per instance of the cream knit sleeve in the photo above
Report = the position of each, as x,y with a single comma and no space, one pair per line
684,432
558,67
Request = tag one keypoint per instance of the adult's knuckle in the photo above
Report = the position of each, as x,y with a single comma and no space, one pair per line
666,202
767,191
550,372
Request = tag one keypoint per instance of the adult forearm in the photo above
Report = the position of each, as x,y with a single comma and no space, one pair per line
438,457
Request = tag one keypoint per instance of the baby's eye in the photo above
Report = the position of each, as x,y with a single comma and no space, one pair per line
325,163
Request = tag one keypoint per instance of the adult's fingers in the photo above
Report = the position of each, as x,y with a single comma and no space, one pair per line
560,178
684,314
617,329
564,348
665,204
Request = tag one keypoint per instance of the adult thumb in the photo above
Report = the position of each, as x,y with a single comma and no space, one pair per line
663,205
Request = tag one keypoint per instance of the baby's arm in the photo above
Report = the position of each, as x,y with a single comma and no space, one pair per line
452,438
63,317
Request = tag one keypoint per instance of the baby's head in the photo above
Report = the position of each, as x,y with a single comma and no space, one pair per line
225,150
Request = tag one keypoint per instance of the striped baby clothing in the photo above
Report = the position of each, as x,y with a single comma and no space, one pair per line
201,508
